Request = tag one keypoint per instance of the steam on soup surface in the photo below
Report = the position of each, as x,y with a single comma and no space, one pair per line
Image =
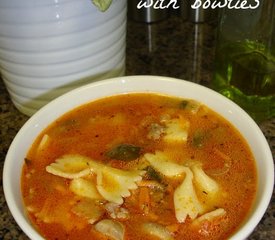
139,166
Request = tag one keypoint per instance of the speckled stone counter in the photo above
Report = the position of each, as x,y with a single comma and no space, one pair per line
172,48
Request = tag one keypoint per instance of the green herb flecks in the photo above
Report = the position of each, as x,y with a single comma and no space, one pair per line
124,152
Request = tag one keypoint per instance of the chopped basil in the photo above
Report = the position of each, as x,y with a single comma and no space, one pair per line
125,152
27,161
152,174
183,104
198,139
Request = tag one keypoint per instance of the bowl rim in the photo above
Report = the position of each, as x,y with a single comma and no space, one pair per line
133,84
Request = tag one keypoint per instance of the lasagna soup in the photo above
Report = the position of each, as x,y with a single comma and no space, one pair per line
139,166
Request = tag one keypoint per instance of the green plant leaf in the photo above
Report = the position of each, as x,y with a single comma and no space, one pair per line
102,5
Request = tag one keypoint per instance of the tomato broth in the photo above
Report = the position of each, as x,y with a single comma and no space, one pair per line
142,167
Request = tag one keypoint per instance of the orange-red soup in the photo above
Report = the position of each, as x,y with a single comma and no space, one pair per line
184,172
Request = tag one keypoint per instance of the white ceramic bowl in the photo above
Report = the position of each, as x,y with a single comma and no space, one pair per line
223,106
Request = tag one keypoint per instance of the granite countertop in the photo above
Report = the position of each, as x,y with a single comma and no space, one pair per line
172,47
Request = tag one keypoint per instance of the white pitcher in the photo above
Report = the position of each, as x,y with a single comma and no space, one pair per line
48,47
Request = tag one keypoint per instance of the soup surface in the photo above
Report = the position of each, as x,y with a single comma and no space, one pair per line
139,167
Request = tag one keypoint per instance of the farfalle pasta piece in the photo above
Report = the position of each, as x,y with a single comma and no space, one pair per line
176,130
157,230
85,188
161,163
44,142
111,228
191,105
111,183
70,166
114,184
210,216
186,201
88,209
205,183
